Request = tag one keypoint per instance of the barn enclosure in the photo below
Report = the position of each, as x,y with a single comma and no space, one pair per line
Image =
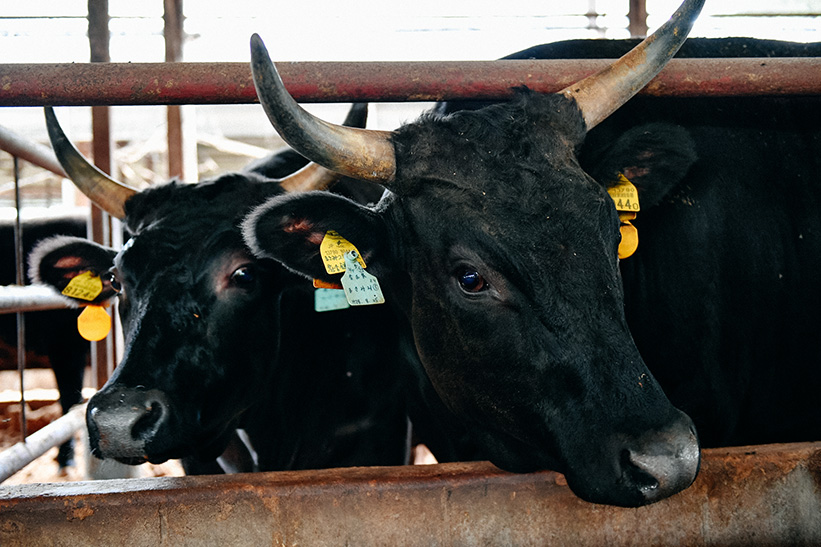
765,495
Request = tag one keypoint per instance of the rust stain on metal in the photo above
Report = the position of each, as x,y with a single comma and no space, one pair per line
227,83
78,511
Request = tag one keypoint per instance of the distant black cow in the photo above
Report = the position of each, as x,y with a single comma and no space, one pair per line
217,340
720,296
499,254
51,338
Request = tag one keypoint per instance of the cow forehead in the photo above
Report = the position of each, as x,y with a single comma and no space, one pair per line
164,255
491,148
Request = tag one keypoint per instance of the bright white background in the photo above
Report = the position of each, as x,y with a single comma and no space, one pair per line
49,31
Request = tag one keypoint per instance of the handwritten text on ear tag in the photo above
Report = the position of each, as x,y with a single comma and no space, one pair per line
94,323
330,300
332,249
85,286
361,288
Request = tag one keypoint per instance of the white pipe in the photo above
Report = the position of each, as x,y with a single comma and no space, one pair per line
56,433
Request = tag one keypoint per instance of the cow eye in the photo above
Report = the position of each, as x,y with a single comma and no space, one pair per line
471,281
243,276
112,280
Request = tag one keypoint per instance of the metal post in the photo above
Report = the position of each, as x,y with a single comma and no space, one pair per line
173,32
21,319
98,37
638,18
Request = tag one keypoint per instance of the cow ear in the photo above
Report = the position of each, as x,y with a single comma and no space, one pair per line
654,157
58,260
290,228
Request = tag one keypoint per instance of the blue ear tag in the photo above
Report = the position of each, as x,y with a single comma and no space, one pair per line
330,300
361,288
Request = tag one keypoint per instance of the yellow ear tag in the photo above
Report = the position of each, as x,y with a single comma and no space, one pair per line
85,286
626,199
333,249
94,323
625,195
629,239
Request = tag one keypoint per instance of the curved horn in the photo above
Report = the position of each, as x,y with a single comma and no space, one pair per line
357,153
107,193
603,93
311,177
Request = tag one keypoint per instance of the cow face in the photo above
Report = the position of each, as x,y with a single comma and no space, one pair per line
204,339
505,265
501,253
195,308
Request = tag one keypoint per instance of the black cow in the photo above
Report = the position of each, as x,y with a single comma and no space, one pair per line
51,338
500,254
217,340
721,298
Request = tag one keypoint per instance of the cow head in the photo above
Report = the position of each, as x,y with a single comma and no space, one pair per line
199,311
501,253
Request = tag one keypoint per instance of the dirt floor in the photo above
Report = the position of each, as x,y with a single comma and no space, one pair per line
41,410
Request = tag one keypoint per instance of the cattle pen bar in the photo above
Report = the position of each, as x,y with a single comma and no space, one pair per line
763,495
85,84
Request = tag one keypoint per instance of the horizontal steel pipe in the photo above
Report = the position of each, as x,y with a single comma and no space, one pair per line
32,152
768,495
219,83
16,457
14,298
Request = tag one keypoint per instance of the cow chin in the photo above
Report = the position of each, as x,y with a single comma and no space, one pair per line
619,469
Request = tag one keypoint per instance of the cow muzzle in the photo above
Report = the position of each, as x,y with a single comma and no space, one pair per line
122,421
639,470
662,463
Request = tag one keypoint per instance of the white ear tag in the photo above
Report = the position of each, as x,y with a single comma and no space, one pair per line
330,300
361,288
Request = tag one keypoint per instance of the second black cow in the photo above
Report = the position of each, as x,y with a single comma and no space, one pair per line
217,340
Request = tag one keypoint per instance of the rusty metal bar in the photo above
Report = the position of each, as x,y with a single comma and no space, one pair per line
765,495
32,152
15,458
222,83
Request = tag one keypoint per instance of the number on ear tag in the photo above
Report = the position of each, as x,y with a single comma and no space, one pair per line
361,288
85,286
625,195
94,323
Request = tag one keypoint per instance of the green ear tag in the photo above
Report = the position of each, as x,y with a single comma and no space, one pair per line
330,300
361,288
85,286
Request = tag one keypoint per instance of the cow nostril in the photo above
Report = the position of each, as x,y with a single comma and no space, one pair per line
637,474
146,425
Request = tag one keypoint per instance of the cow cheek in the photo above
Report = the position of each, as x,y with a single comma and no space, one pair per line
461,355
